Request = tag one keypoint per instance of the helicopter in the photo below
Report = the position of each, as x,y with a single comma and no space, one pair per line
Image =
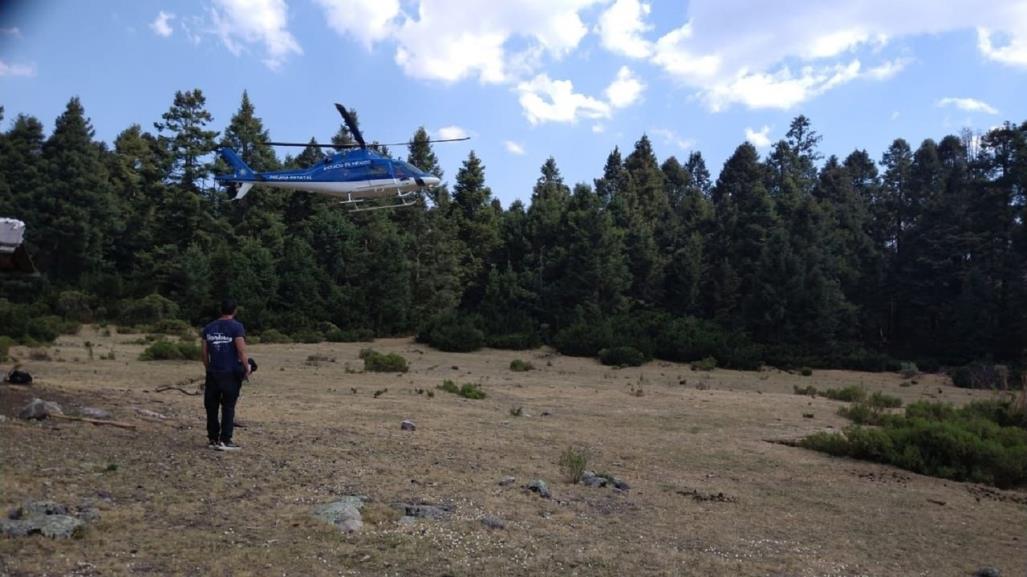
356,176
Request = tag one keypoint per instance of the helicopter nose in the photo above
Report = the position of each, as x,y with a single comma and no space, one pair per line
430,181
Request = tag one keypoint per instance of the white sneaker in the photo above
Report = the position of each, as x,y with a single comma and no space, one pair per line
229,446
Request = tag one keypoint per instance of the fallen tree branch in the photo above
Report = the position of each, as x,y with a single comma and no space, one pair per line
95,421
178,387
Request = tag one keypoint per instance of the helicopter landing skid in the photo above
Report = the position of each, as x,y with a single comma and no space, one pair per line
404,198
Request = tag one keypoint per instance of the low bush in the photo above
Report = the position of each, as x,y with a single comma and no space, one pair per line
6,343
272,336
453,332
850,394
806,371
467,390
884,401
164,350
979,375
707,364
981,442
375,362
908,370
148,310
582,339
622,357
514,341
574,462
309,336
862,413
808,390
338,335
519,366
174,327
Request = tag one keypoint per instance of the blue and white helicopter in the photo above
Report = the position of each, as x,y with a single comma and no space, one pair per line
355,176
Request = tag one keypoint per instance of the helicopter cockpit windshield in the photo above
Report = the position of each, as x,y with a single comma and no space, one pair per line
405,170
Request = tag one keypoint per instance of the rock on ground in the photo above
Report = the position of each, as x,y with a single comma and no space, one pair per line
344,513
493,522
94,413
506,481
539,486
44,517
425,510
40,409
408,425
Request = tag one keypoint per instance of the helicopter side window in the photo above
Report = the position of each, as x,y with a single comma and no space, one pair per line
377,171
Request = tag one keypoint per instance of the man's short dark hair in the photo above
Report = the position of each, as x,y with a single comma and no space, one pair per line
228,306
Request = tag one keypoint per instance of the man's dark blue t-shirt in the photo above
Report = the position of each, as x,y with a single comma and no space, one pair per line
220,336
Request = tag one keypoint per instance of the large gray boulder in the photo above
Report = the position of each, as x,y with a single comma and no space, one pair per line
343,514
40,409
44,517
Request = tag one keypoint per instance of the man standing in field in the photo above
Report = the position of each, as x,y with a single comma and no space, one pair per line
225,360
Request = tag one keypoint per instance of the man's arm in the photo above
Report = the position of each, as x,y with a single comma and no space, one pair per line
240,347
204,355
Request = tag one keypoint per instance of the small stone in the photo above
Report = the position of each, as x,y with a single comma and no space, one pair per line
987,572
407,521
545,413
620,484
539,486
39,509
507,481
94,413
408,425
590,479
40,409
150,414
425,511
493,522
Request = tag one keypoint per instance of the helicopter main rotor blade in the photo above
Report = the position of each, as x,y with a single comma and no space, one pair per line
351,124
407,143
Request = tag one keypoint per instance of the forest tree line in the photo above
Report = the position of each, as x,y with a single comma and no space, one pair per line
790,259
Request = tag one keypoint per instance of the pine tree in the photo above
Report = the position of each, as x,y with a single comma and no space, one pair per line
188,141
477,225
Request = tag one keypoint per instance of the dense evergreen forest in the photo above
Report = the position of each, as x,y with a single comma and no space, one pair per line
790,259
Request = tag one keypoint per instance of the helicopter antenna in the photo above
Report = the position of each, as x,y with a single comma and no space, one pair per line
351,124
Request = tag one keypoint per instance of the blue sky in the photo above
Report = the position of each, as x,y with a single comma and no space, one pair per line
528,79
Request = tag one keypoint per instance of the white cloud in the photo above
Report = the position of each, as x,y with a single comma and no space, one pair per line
671,137
239,22
13,31
728,50
1013,53
625,90
888,69
161,26
759,139
598,128
498,42
450,132
547,100
513,148
968,104
17,69
367,20
621,28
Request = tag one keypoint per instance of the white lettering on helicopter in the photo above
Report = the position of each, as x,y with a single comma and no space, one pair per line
349,164
288,177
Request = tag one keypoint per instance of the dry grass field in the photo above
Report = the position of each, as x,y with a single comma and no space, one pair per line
709,494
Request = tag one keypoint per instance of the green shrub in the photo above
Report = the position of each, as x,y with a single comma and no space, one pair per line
688,339
75,306
519,366
862,413
850,394
148,310
908,370
338,335
622,357
271,336
164,350
467,390
806,371
6,343
809,390
309,336
514,341
453,332
980,375
707,364
375,362
582,339
175,327
980,442
574,462
884,401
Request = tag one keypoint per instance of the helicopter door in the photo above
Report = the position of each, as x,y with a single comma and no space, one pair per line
379,176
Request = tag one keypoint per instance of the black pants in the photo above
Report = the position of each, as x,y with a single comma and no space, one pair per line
221,390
